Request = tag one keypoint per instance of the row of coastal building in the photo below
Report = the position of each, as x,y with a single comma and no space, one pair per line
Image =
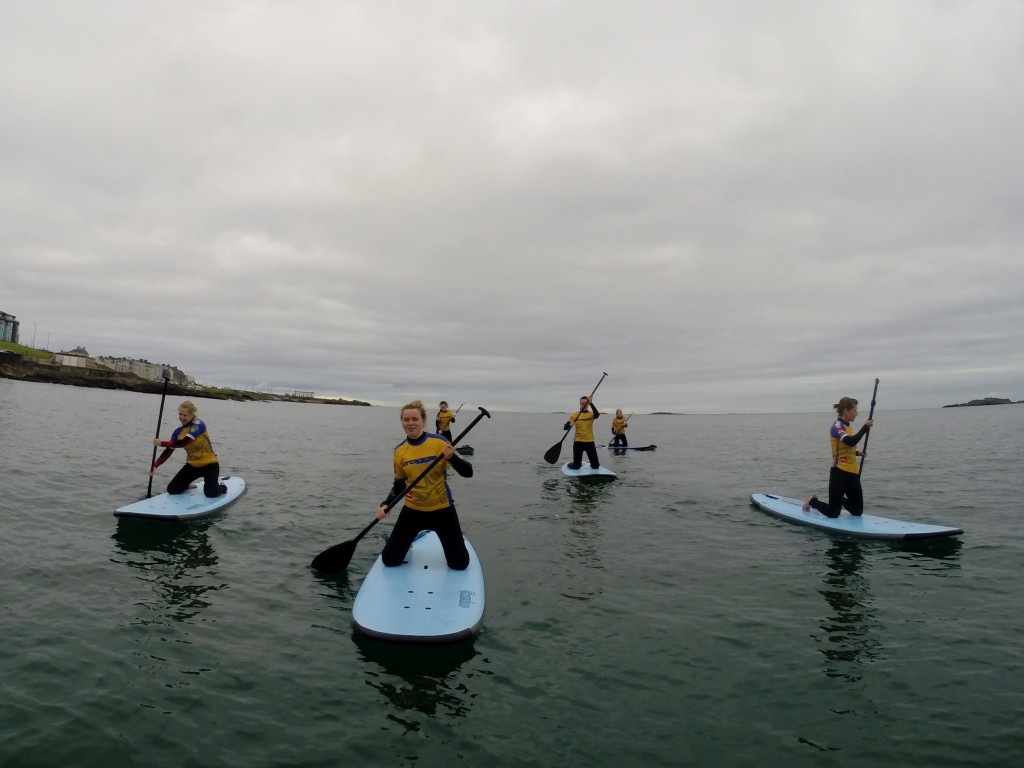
79,357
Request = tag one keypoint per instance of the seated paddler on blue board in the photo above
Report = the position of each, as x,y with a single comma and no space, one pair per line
583,440
844,489
194,437
429,506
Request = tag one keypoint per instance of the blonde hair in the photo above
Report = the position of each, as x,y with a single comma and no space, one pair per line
188,405
415,405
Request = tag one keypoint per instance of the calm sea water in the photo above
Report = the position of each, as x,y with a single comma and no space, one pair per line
657,620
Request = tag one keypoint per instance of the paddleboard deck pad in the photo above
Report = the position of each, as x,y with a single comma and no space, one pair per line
585,472
630,447
193,504
423,600
864,526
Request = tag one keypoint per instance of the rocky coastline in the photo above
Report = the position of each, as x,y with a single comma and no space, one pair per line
25,369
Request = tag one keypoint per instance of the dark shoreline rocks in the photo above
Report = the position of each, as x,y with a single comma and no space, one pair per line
24,369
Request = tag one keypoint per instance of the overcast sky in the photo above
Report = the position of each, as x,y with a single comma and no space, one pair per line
727,206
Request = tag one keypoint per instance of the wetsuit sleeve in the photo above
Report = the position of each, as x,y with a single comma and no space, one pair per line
593,408
163,457
437,425
854,439
179,443
460,465
397,489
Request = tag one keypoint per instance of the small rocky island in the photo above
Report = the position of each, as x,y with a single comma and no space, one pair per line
986,401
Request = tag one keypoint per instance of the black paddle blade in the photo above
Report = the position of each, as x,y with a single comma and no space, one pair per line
337,558
551,454
334,559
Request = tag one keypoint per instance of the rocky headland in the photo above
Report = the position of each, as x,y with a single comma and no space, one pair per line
24,368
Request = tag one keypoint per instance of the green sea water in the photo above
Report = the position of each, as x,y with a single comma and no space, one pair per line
658,620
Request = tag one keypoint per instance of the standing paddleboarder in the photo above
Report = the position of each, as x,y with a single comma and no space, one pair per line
844,488
583,440
429,506
202,462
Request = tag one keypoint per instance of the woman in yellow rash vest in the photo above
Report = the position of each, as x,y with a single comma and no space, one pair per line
583,440
619,430
202,462
444,420
844,477
429,506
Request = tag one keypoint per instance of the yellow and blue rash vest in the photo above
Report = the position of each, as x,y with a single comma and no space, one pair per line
618,426
411,458
843,456
195,439
584,421
444,418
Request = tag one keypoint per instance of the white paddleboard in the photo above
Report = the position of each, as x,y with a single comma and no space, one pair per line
423,600
190,505
864,526
585,472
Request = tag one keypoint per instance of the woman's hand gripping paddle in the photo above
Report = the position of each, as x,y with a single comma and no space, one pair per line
337,558
552,453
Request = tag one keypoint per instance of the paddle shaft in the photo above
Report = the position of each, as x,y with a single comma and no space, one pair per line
551,456
871,415
159,418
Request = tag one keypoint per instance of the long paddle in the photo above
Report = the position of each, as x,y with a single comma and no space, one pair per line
167,377
459,408
871,415
552,453
337,558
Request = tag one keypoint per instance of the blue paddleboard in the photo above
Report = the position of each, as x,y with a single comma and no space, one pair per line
423,600
865,526
586,473
190,505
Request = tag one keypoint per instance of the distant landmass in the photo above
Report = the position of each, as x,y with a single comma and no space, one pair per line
986,401
18,367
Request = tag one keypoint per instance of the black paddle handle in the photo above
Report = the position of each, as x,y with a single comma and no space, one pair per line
603,375
388,507
871,415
